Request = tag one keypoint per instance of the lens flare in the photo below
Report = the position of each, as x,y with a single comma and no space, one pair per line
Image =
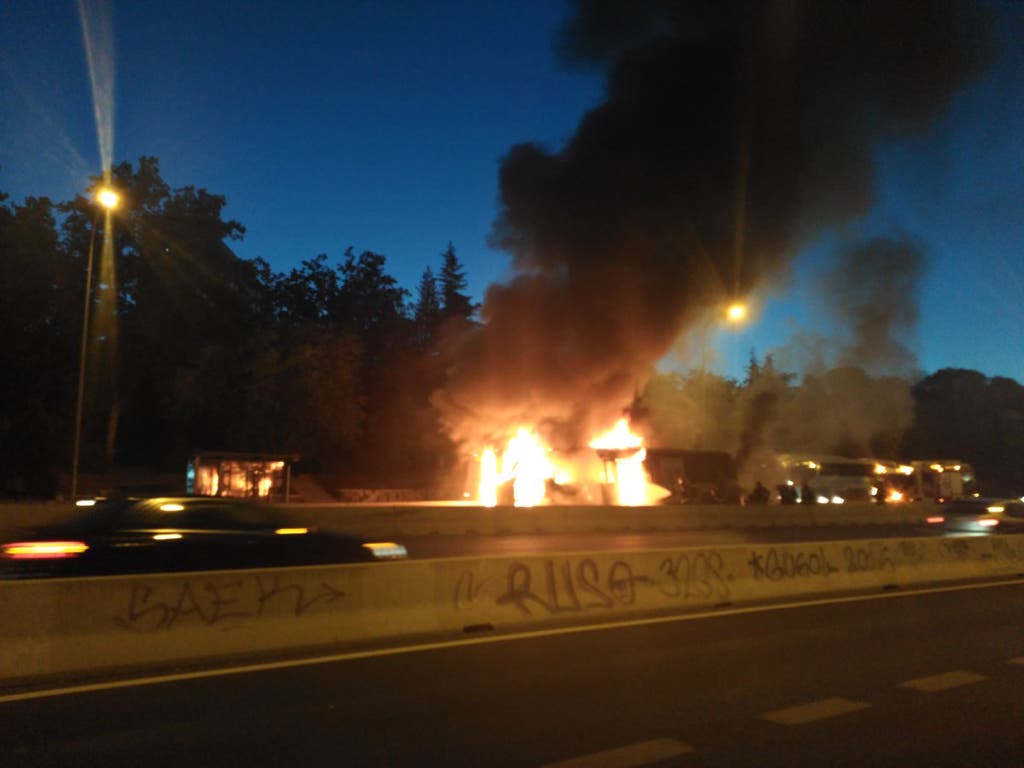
98,38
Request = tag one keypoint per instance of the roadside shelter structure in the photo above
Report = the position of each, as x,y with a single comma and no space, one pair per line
264,476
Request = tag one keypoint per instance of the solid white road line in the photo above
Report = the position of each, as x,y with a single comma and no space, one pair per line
815,710
641,753
502,638
945,681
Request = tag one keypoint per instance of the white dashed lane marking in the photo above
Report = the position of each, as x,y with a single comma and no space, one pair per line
945,681
815,710
641,753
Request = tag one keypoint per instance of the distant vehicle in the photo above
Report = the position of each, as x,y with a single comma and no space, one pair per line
700,477
943,479
832,479
925,480
981,516
180,534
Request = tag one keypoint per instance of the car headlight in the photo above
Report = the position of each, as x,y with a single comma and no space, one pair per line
386,550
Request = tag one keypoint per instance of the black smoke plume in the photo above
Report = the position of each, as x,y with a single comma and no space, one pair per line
872,291
731,132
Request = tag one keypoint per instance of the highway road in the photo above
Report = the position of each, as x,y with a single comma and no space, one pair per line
466,545
905,678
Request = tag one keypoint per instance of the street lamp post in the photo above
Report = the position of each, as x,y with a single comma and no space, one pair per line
108,199
735,314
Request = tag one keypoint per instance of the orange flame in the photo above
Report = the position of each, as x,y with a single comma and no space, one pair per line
631,481
527,464
488,488
618,437
524,462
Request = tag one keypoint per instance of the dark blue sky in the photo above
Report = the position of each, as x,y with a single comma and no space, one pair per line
382,125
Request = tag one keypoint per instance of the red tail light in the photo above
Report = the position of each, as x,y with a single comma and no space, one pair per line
43,550
936,519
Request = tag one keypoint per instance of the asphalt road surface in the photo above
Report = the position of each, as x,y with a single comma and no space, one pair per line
903,679
452,545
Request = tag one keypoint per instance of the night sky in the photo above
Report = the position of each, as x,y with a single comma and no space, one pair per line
383,126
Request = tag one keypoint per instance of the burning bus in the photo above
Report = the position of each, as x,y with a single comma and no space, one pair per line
527,472
615,468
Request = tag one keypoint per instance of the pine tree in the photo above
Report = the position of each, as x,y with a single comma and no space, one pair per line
453,283
428,308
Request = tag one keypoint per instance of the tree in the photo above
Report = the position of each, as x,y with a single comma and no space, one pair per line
307,294
456,304
369,299
962,414
186,306
427,313
40,323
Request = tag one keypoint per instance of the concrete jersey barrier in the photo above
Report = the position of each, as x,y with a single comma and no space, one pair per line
69,627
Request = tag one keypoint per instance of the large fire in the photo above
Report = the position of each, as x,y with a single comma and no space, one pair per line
525,463
527,467
624,454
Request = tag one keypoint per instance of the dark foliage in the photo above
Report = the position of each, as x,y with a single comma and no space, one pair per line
190,346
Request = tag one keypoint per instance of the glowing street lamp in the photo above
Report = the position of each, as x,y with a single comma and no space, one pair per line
108,200
736,312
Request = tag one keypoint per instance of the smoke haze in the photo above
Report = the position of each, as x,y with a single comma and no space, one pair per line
731,133
873,292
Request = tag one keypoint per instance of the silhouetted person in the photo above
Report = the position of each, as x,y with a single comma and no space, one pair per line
787,494
807,495
759,495
680,494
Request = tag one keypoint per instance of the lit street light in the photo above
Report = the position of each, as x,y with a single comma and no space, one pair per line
736,312
108,200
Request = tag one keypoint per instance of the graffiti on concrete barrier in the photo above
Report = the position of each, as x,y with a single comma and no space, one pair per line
776,565
783,563
868,557
911,552
956,549
696,574
568,586
1007,552
469,588
216,600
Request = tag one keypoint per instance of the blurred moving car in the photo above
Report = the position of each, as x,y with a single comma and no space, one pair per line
981,515
180,534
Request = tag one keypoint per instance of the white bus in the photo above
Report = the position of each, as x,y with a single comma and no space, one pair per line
830,479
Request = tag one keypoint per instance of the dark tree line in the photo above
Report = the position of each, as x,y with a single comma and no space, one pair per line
192,347
203,349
